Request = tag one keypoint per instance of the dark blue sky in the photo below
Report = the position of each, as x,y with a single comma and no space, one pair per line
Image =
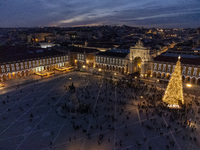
146,13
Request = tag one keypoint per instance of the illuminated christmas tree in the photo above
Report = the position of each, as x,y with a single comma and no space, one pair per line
174,92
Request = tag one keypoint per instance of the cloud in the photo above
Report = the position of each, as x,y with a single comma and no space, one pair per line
30,13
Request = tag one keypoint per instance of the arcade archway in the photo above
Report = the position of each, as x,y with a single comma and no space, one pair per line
137,64
193,81
187,80
198,81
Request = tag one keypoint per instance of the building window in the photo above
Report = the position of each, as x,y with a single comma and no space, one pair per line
29,64
195,72
120,62
8,69
123,62
159,66
168,68
164,67
189,70
2,66
22,67
101,59
155,66
117,60
184,69
17,67
3,70
173,68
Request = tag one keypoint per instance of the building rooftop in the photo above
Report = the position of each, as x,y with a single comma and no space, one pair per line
82,50
184,60
9,54
112,54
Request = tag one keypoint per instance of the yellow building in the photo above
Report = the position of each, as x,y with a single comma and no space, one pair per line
163,67
28,61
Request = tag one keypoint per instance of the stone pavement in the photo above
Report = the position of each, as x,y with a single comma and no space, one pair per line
28,118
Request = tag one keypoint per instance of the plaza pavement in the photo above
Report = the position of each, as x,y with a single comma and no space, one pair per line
29,121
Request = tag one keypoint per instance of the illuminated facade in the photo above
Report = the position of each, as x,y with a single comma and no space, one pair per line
140,59
163,67
112,61
26,66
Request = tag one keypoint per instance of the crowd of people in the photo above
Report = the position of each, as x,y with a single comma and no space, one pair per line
116,105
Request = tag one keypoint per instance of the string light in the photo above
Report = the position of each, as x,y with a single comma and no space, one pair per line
174,93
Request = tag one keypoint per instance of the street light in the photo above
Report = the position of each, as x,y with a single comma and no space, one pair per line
189,85
99,69
83,66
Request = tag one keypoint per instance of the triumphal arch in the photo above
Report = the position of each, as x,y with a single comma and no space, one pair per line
140,60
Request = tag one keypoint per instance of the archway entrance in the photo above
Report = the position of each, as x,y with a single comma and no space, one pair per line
154,74
193,81
163,75
137,64
149,73
9,76
198,81
183,78
158,75
5,77
168,76
187,79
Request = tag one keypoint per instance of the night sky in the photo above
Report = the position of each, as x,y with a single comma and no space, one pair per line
64,13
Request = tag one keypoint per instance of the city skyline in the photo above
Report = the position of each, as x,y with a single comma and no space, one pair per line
172,14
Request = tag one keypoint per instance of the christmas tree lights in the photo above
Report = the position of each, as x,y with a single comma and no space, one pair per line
174,93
